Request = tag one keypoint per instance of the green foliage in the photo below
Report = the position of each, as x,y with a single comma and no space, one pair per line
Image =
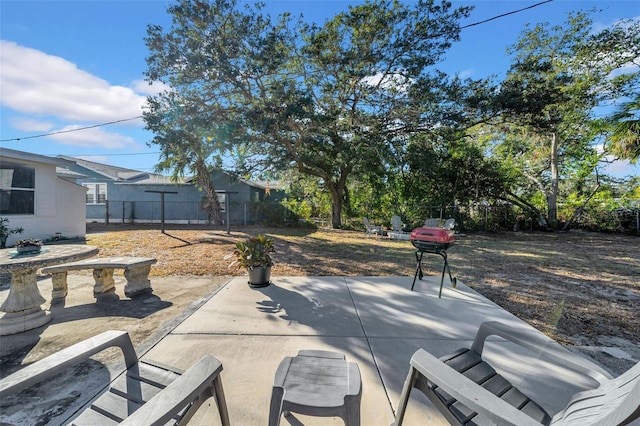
5,231
624,135
299,209
254,252
334,101
558,76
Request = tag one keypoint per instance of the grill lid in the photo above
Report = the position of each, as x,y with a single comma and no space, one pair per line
432,235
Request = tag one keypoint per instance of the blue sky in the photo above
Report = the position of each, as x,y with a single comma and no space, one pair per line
71,64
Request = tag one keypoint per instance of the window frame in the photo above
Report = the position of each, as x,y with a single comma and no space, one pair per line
95,193
6,190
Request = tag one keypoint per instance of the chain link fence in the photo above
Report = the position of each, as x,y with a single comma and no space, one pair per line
476,217
178,212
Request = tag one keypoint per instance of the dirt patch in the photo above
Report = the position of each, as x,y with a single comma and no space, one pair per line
582,289
578,286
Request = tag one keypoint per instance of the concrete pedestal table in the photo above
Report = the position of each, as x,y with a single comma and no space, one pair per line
21,311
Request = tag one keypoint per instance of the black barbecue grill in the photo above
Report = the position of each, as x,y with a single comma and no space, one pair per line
436,241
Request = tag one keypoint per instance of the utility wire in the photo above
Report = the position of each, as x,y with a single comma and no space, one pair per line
72,130
135,118
505,14
109,154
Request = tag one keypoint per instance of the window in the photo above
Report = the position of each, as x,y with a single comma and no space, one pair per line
96,193
222,199
17,188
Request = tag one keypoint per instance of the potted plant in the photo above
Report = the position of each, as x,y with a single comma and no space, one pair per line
253,254
28,245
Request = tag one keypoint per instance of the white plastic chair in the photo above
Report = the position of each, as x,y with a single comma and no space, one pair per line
467,390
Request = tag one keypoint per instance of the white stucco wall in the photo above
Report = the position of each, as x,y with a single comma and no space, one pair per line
59,207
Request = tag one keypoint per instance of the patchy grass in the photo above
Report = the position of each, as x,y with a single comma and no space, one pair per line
580,288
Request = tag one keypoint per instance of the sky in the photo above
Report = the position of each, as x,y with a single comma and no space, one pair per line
66,65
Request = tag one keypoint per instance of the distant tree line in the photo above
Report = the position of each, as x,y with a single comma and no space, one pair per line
355,116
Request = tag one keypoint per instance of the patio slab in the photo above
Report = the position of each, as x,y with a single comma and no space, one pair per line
377,322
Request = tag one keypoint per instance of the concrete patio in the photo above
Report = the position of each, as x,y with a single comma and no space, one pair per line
376,322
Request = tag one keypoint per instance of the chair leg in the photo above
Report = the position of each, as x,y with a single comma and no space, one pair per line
221,402
404,396
275,408
352,414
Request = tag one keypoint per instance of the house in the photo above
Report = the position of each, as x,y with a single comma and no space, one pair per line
32,196
117,194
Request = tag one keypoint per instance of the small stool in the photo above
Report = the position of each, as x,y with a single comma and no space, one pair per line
317,383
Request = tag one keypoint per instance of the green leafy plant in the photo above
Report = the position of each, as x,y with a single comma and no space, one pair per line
5,231
253,252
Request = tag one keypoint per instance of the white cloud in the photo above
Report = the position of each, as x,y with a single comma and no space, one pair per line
396,82
142,86
622,169
93,138
36,83
26,124
465,74
601,26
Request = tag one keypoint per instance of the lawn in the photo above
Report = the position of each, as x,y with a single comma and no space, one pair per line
580,288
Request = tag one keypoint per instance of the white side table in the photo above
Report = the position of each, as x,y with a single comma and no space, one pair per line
317,383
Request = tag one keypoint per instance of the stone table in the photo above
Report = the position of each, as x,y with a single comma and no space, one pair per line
22,311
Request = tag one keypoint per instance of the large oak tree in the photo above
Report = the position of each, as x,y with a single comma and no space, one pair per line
333,101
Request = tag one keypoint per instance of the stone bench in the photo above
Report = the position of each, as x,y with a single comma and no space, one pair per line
136,272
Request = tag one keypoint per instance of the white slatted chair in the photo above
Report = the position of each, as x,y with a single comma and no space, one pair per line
468,391
432,223
145,394
371,228
396,224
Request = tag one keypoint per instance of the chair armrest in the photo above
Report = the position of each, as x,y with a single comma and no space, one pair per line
468,392
185,389
541,344
53,364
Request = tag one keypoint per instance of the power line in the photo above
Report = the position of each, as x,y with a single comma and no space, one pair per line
72,130
502,15
109,154
505,14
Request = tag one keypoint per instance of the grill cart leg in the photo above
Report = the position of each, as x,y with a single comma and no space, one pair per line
454,281
444,268
418,273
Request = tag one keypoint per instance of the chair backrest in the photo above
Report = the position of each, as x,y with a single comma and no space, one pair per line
614,402
449,224
366,223
396,223
432,223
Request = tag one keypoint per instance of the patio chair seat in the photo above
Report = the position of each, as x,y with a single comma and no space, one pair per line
144,394
469,391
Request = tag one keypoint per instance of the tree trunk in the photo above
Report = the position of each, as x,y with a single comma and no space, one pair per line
210,201
552,197
337,194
